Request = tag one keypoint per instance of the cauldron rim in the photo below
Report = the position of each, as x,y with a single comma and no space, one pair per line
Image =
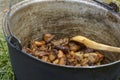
32,57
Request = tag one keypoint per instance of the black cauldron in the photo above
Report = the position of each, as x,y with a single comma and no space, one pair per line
31,18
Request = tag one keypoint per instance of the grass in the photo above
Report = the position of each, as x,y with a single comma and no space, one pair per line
5,66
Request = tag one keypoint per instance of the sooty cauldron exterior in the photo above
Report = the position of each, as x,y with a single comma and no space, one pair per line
31,18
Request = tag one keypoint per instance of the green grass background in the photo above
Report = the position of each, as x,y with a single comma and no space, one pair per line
5,65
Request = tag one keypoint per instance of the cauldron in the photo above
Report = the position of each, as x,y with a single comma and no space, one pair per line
30,19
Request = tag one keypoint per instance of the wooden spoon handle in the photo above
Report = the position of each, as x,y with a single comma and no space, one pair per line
94,45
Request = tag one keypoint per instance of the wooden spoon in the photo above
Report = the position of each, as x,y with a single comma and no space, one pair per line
94,45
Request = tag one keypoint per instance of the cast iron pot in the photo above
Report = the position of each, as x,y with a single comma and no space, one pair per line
30,19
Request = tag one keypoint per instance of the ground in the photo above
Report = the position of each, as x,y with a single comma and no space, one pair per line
5,66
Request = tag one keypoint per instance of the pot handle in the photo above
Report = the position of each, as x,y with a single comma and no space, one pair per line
6,22
7,30
112,6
